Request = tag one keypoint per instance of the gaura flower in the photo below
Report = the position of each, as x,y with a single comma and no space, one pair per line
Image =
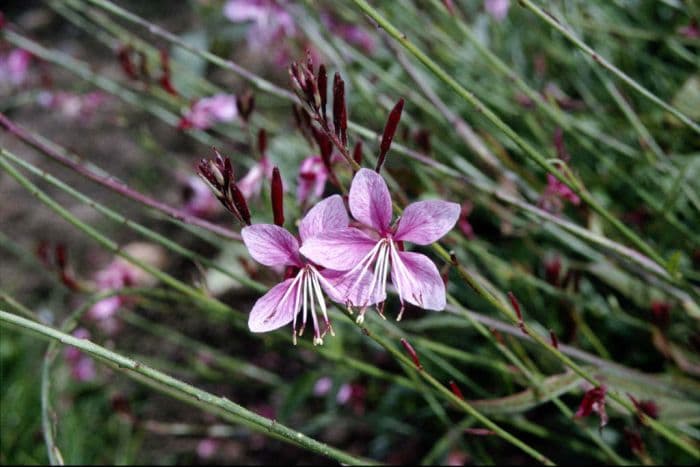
274,246
14,67
372,253
498,9
251,184
312,179
206,112
554,193
198,198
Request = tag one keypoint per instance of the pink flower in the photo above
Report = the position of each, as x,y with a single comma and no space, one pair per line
72,105
322,386
207,447
414,275
557,188
274,246
594,401
691,31
312,179
14,67
498,9
251,184
206,112
82,367
199,199
351,33
271,24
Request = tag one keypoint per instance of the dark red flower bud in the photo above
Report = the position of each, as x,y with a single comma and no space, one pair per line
389,131
553,339
357,153
552,271
277,197
646,407
262,141
516,307
455,390
124,55
164,80
240,203
340,118
593,401
246,104
323,89
412,352
661,313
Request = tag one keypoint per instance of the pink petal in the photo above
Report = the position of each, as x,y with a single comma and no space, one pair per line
370,201
276,308
417,280
271,245
425,222
353,288
329,214
340,249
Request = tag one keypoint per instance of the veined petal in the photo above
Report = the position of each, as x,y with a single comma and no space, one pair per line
370,201
417,280
271,245
276,308
355,288
329,214
340,249
425,222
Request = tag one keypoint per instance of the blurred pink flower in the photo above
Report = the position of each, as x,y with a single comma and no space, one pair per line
14,66
199,199
251,184
322,386
344,394
351,33
312,179
270,25
82,367
205,113
498,9
691,31
554,192
72,105
364,255
274,246
207,447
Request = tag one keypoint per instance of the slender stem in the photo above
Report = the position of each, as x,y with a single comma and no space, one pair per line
550,19
461,403
186,392
61,156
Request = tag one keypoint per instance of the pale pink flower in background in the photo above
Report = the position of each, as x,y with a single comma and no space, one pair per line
119,274
322,386
251,184
274,246
82,367
207,447
372,253
344,394
14,67
72,105
271,24
351,33
691,31
312,179
498,9
554,193
199,199
205,113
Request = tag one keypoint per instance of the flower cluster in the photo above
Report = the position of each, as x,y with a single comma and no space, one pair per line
349,262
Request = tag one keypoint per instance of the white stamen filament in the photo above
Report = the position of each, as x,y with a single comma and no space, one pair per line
307,290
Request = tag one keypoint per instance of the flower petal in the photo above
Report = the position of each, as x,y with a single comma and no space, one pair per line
417,280
370,201
329,214
339,249
426,222
354,287
274,309
271,245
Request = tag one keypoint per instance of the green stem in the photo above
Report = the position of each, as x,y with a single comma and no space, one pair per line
183,391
